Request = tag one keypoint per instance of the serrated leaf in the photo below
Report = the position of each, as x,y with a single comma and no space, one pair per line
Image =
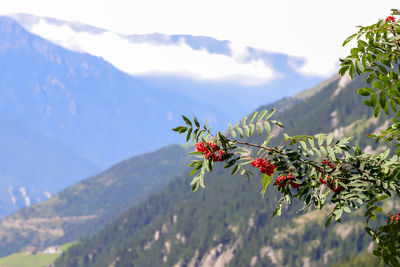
382,99
270,113
266,180
329,139
267,126
261,115
377,85
196,122
303,144
235,169
360,67
246,130
245,162
240,132
187,121
278,123
320,139
286,136
252,129
180,129
252,116
338,213
244,121
328,221
331,153
385,154
205,124
348,39
311,141
259,127
195,187
376,111
189,133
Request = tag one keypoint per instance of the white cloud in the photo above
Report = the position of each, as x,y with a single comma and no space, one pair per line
160,59
309,29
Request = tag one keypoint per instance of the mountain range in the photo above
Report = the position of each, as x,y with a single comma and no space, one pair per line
68,115
228,222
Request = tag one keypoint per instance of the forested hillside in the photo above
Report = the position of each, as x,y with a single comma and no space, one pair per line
85,207
229,222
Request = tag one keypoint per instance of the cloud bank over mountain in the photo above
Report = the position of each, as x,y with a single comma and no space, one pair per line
156,56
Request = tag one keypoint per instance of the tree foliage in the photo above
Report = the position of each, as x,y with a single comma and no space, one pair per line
317,169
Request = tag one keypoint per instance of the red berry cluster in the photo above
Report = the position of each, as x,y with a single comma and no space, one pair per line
331,185
264,166
393,219
326,162
283,180
215,153
390,19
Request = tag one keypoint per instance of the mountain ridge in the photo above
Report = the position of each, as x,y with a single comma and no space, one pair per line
228,222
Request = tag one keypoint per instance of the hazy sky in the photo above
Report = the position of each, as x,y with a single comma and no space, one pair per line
309,29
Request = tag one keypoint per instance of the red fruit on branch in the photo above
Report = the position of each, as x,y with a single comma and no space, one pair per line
264,166
390,19
214,154
280,181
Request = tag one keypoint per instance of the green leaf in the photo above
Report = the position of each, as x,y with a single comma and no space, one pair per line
329,139
246,130
196,122
261,115
373,100
348,39
180,129
382,99
187,121
311,141
240,132
385,154
252,116
270,113
233,133
320,139
195,187
303,144
267,126
328,221
338,213
331,153
377,110
259,127
266,180
244,121
347,209
386,109
360,67
252,128
377,85
278,123
189,133
363,92
235,169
